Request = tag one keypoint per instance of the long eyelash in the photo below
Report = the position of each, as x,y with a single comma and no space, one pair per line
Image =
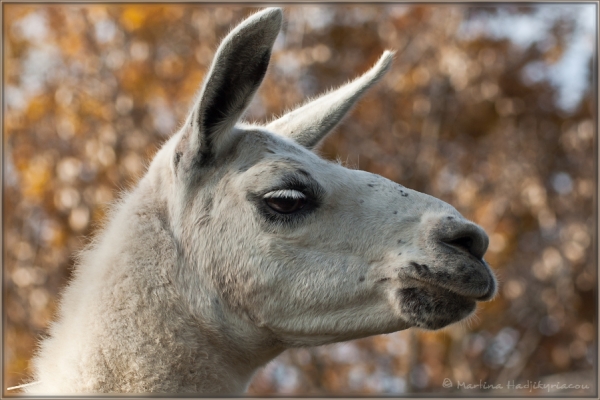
285,193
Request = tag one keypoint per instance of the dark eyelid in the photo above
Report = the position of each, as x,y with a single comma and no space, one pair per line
300,183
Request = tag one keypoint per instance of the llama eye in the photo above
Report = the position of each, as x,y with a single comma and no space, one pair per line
286,201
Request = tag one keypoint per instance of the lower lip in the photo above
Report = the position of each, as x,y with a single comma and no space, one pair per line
432,310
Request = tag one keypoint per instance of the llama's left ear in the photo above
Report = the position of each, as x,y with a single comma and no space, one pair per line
308,124
236,72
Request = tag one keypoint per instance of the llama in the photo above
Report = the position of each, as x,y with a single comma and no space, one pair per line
240,242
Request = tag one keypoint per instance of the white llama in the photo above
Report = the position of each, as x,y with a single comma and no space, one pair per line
240,242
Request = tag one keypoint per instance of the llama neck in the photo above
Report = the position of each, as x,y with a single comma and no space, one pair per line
140,337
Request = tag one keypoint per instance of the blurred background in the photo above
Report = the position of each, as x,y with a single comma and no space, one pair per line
490,108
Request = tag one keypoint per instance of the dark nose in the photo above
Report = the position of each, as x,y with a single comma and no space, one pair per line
464,236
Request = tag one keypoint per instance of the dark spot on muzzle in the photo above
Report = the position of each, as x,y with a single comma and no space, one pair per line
421,269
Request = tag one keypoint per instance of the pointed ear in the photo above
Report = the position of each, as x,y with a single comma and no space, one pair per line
234,76
310,123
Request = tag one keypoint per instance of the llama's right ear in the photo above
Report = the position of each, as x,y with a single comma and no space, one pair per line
236,72
308,124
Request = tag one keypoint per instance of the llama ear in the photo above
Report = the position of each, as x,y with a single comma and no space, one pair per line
236,72
310,123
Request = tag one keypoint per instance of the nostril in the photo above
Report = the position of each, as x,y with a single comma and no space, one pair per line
470,239
464,243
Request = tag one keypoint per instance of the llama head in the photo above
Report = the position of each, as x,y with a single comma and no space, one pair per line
274,240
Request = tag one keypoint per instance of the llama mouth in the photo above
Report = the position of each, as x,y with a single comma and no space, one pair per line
433,307
473,280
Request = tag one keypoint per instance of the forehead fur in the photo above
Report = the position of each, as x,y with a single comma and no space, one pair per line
257,145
